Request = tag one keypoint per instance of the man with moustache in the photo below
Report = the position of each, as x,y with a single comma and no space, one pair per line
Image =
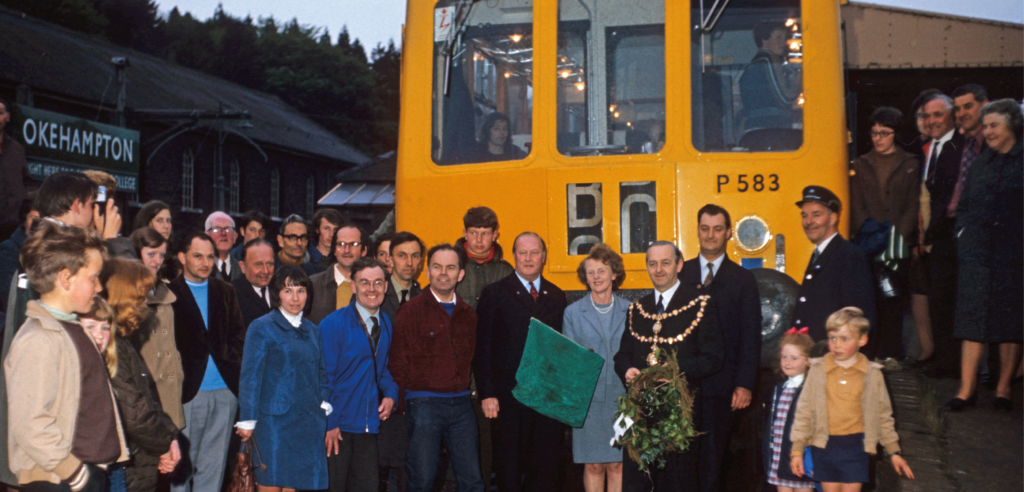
734,290
435,338
332,289
526,443
209,333
838,274
682,307
941,171
221,228
257,265
356,340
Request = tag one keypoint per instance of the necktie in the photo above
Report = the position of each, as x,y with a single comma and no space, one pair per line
405,292
263,295
661,304
224,269
933,162
533,292
374,331
970,153
711,274
814,258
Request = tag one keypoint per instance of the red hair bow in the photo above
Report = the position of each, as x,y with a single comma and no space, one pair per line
794,331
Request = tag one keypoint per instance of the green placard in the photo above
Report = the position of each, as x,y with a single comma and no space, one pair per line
55,142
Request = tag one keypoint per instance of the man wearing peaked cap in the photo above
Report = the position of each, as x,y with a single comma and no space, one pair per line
838,274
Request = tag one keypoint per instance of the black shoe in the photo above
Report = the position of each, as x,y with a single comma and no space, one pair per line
1003,404
958,405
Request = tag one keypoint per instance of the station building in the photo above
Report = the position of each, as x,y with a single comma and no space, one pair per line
165,132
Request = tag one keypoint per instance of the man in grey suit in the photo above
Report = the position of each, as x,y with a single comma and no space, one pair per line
221,228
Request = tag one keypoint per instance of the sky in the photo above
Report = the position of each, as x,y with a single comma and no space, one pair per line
378,21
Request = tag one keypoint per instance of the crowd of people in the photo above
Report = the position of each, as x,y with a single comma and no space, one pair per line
130,358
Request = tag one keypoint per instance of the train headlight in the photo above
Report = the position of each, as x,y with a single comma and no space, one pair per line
752,234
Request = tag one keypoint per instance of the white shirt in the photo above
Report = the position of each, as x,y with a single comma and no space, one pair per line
935,149
339,278
527,283
455,297
704,266
365,314
222,263
794,381
666,297
824,244
295,321
260,294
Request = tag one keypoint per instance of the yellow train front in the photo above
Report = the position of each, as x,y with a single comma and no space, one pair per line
614,121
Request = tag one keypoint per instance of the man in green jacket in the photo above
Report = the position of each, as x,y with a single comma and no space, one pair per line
481,254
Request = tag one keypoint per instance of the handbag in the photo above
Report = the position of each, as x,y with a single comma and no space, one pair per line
242,479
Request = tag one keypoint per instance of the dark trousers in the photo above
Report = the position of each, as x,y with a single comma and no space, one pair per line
354,468
525,443
97,483
486,449
942,265
679,474
431,421
717,412
886,338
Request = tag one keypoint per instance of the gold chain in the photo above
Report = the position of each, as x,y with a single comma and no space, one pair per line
655,340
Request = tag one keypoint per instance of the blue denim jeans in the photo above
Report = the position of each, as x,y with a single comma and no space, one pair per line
116,477
431,421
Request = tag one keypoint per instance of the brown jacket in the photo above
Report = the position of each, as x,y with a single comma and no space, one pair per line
810,427
898,201
155,343
43,385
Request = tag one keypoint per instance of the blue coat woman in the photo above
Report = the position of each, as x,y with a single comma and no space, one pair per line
283,390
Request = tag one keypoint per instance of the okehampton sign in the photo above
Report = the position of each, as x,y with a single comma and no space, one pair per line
55,142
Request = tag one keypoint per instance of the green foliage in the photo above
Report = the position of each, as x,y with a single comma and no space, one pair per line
334,85
661,407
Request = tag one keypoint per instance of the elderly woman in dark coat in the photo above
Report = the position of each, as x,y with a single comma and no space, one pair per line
990,248
283,391
596,322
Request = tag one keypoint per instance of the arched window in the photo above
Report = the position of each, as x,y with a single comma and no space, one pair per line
188,171
234,187
310,197
275,193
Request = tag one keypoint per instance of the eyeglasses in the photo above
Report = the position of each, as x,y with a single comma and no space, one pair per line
377,284
353,245
220,230
292,237
882,134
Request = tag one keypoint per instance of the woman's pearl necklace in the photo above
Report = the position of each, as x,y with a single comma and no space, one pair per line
602,310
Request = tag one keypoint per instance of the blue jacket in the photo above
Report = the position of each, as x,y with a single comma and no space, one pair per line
354,379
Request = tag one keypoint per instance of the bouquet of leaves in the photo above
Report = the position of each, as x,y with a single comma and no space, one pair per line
660,407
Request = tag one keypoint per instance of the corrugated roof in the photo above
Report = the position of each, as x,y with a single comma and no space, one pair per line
358,194
51,58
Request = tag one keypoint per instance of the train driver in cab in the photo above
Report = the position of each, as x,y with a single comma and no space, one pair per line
770,85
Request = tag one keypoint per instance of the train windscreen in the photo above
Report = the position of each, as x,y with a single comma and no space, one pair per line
747,72
483,82
611,77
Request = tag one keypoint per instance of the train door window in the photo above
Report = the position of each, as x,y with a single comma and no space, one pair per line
747,73
483,81
611,77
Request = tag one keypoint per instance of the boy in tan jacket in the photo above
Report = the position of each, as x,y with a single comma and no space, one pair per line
64,427
844,412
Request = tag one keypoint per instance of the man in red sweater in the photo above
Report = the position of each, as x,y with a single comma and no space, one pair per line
431,357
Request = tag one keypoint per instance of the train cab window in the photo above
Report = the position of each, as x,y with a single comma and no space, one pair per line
611,77
483,81
747,74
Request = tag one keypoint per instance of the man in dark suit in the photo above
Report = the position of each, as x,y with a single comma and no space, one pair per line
941,171
838,274
699,353
257,264
525,441
210,337
734,290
